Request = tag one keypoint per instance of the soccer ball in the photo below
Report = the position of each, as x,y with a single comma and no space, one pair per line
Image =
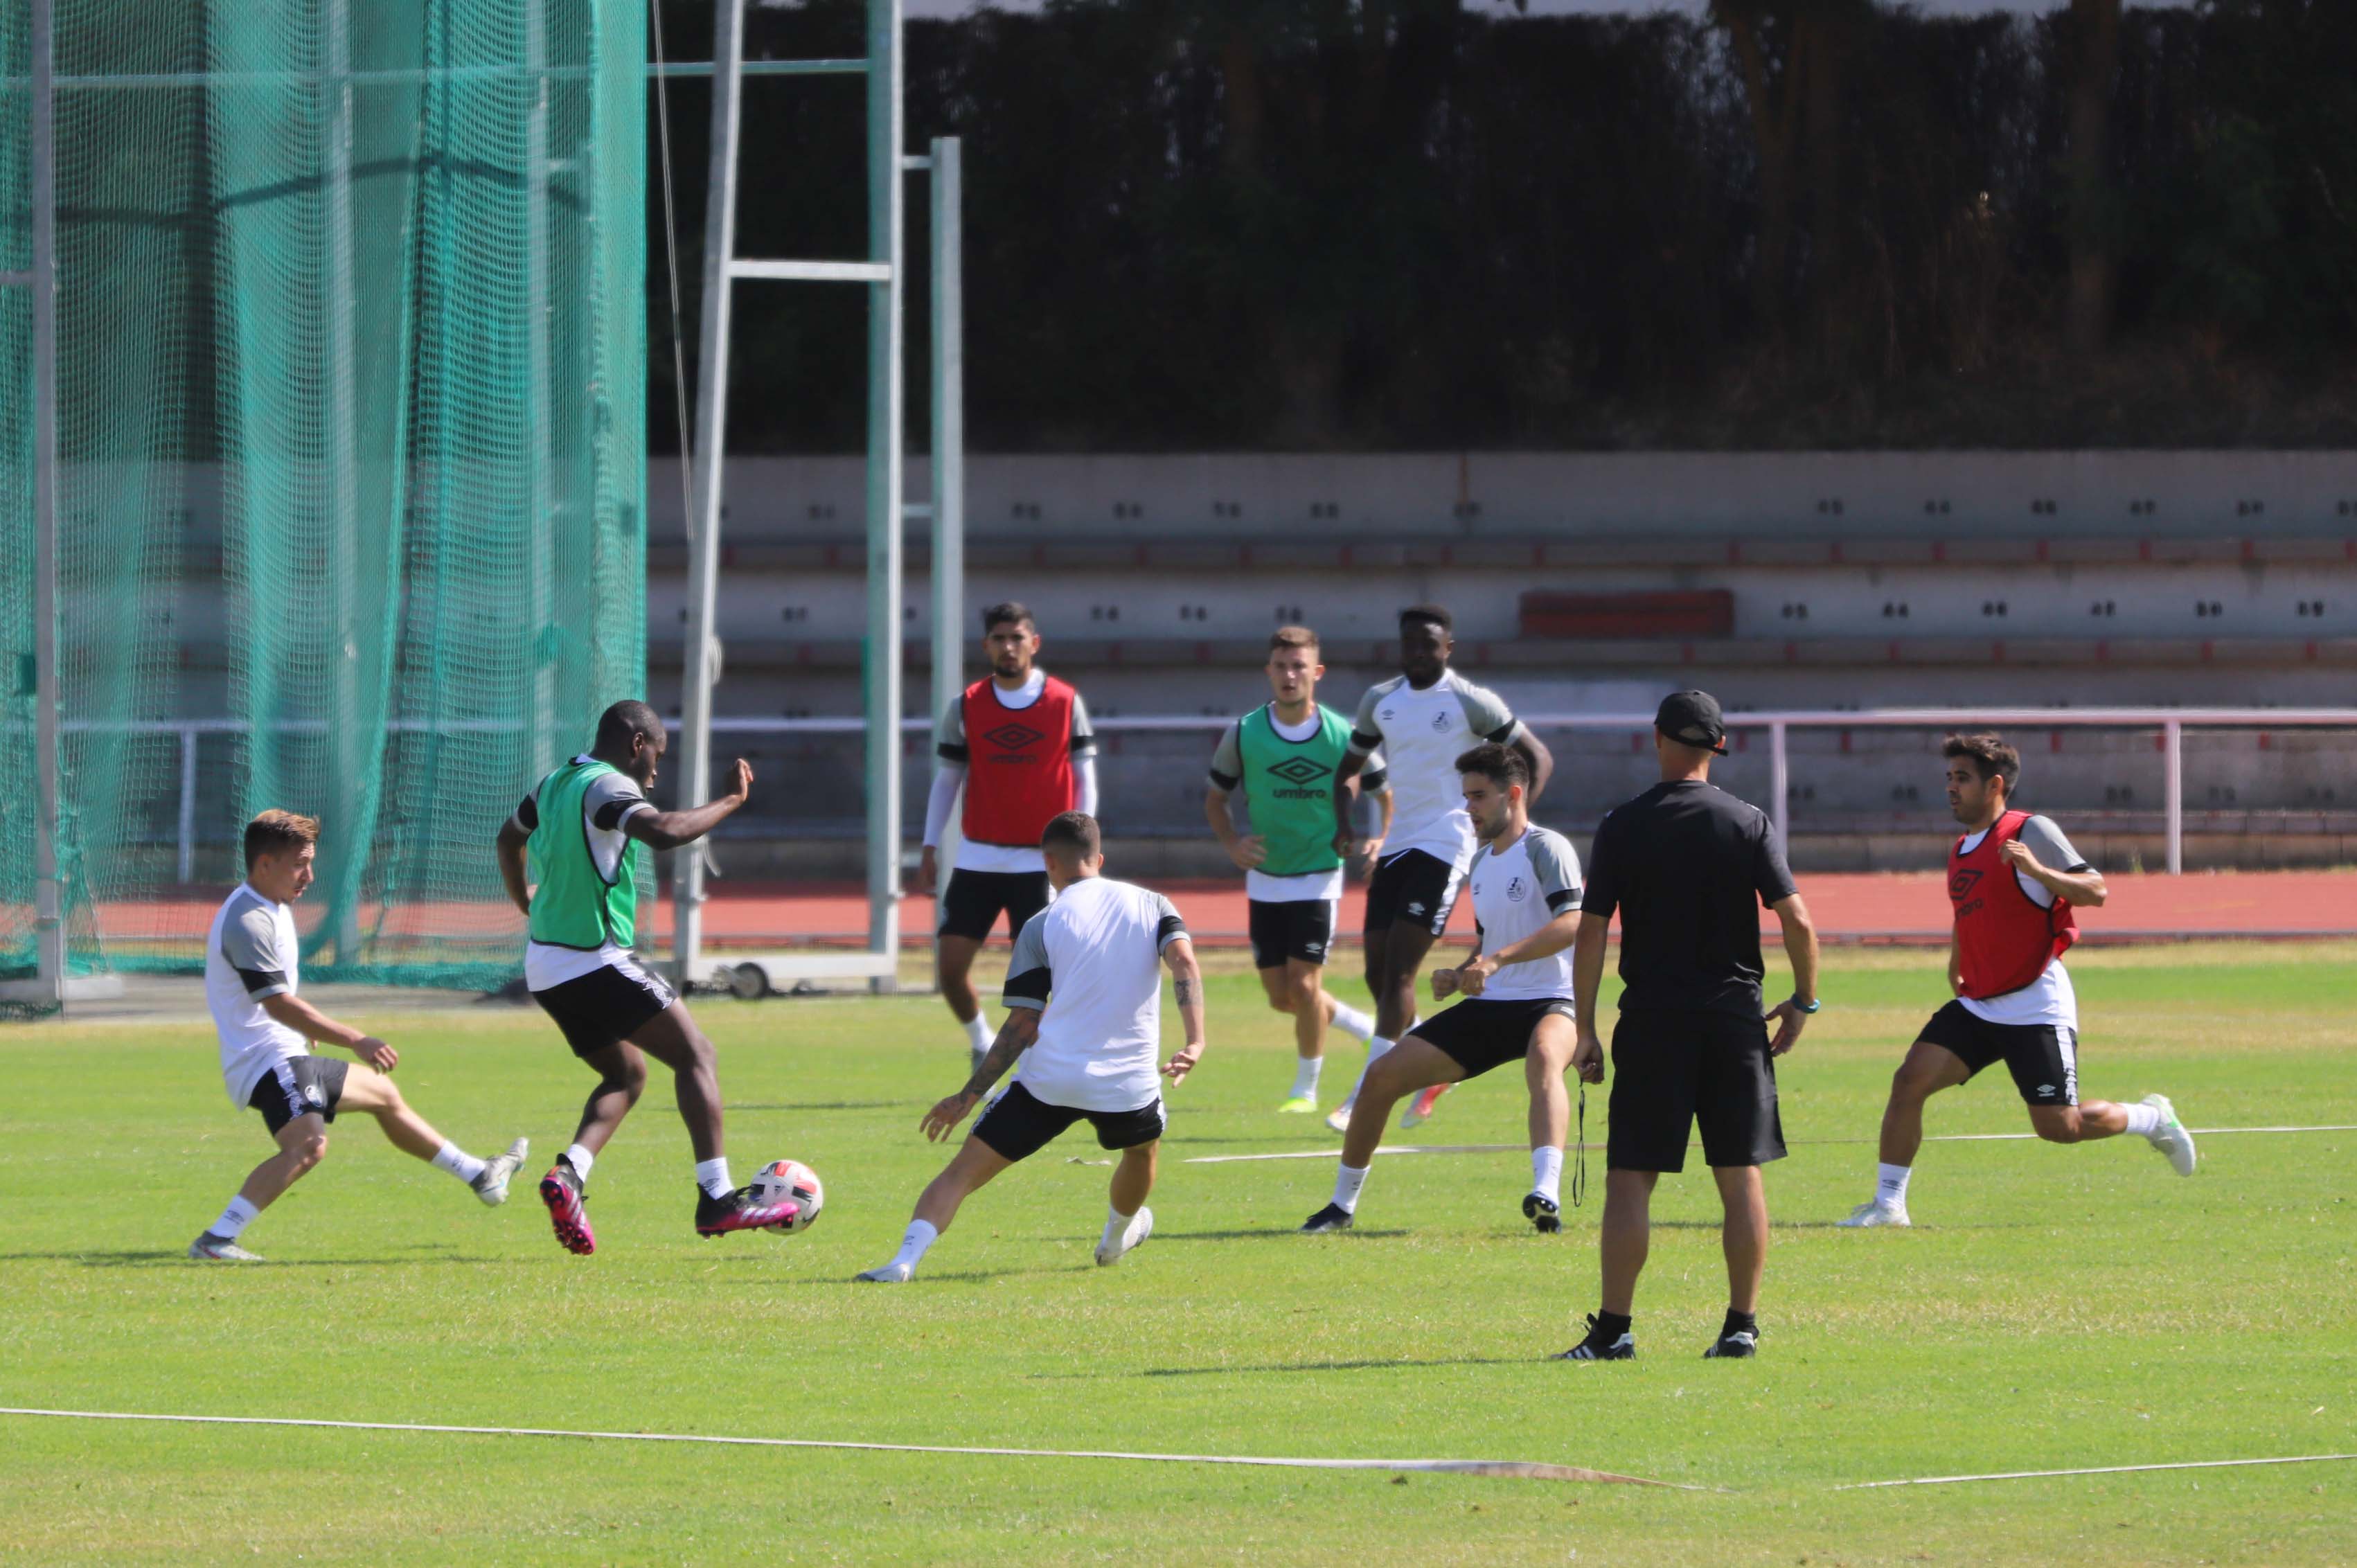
783,1180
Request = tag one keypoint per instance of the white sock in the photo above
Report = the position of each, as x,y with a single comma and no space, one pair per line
978,1034
458,1162
913,1242
1546,1172
1376,1047
2143,1120
1354,1022
1347,1183
712,1175
1304,1076
1890,1185
580,1159
235,1219
1115,1223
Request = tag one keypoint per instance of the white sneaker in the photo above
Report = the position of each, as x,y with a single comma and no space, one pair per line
1141,1226
1866,1216
892,1274
1339,1119
491,1186
2170,1137
211,1249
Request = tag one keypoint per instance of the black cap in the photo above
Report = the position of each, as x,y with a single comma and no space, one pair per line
1692,718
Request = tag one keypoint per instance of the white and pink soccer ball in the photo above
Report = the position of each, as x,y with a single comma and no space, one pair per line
791,1181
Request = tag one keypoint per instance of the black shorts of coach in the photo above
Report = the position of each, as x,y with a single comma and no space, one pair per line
1415,887
1674,1070
973,900
1019,1124
2042,1058
1294,929
605,1006
1479,1034
300,1086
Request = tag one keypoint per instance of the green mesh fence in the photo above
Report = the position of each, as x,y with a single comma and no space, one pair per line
352,454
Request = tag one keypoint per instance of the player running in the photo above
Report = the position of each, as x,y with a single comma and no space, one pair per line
568,861
251,979
1084,1000
1517,988
1283,757
1422,718
1021,744
2013,878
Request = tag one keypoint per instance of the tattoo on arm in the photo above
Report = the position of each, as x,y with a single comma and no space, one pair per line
1186,989
1015,1037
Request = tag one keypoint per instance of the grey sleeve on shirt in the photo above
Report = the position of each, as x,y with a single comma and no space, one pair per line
249,942
1084,734
1228,758
1170,925
1375,776
949,734
2053,851
1557,866
1486,713
1027,980
1365,733
611,801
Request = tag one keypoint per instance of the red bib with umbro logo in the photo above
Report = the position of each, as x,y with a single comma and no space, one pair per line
2003,941
1018,775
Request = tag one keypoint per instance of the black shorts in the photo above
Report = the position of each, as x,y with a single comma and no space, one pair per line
1670,1071
1479,1034
2042,1058
1301,928
605,1006
1413,888
1019,1124
972,901
300,1086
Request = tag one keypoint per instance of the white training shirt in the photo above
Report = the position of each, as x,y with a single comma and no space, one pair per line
1517,891
1093,960
1422,734
608,802
949,770
250,954
2050,999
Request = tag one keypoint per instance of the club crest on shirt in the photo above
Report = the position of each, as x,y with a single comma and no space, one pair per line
1517,890
1440,722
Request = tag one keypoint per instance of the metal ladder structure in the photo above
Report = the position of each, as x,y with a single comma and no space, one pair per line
882,273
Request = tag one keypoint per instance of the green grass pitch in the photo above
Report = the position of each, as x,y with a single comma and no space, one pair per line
2055,1308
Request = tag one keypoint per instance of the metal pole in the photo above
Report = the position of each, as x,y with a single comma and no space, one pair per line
49,892
343,496
2172,746
699,657
1779,784
541,498
884,524
187,804
949,426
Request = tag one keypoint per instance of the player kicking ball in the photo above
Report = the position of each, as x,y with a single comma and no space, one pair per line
1084,999
1517,987
266,1034
567,858
2012,880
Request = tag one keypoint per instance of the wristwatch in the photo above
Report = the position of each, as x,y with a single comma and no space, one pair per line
1808,1006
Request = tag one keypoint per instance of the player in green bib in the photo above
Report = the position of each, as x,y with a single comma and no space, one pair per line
569,858
1282,759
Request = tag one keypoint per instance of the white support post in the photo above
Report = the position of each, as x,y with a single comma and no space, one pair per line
541,500
2173,747
698,657
949,426
343,498
1779,783
188,835
49,890
885,205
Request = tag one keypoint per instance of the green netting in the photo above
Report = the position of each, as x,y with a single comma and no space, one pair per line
351,453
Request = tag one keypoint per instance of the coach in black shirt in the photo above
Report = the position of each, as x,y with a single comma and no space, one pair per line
1682,863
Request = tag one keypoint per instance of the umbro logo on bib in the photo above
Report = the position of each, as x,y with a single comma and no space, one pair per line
1013,737
1301,770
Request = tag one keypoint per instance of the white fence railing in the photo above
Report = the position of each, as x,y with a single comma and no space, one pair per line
2170,723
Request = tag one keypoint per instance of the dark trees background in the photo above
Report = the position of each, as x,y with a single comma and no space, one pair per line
1418,224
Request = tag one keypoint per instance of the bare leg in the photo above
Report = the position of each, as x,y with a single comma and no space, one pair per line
2080,1123
1404,947
301,1143
1628,1232
365,1089
1544,1067
953,969
621,1079
672,1037
969,1170
1132,1178
1928,1070
1312,1008
1414,1063
1745,1234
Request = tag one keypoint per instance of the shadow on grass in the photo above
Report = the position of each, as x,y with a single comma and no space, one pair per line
180,1256
837,1105
1825,1225
1251,1370
1360,1231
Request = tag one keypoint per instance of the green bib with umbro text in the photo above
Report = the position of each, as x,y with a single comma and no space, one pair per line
1289,786
573,905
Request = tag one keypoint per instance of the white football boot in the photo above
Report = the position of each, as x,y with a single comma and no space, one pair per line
1140,1225
211,1249
491,1186
1867,1216
2170,1137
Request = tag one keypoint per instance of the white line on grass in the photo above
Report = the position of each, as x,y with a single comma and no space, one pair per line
1513,1469
1328,1153
2097,1470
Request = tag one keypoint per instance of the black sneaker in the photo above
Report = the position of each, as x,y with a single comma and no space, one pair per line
1540,1211
1595,1348
1734,1342
739,1210
1333,1217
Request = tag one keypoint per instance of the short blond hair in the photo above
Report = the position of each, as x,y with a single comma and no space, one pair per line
1286,637
275,832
